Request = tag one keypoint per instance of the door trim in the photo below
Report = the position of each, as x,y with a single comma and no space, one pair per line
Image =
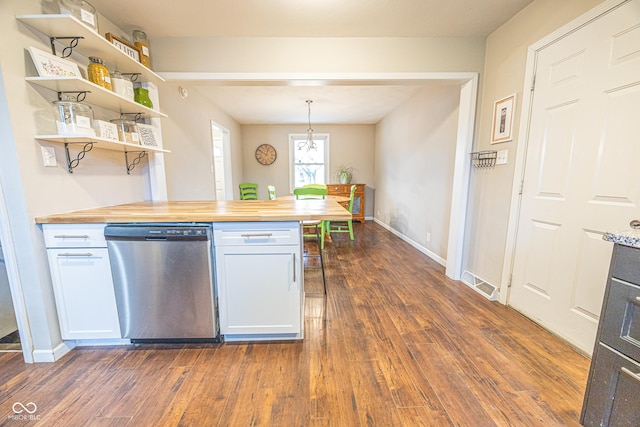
523,132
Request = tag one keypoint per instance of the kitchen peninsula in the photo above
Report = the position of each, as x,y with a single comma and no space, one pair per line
257,262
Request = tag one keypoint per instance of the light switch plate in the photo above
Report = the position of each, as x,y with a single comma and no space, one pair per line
49,157
503,156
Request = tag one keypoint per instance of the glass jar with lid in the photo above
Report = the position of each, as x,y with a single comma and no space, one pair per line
122,85
73,118
82,10
140,40
98,73
127,130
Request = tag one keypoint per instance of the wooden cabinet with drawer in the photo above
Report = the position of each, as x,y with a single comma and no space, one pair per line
358,197
613,389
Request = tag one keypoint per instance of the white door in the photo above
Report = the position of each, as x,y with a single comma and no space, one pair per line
582,176
221,168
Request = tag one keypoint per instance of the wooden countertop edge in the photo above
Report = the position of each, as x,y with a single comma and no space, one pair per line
203,211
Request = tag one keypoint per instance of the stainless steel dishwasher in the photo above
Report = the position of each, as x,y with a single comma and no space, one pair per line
163,280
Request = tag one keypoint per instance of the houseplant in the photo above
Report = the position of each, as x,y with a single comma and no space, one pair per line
344,174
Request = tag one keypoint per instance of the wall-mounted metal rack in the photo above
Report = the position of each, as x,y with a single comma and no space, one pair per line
484,159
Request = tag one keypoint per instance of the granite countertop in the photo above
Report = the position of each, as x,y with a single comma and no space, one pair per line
205,211
629,237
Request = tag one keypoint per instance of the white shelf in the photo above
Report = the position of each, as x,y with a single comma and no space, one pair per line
92,44
99,96
105,144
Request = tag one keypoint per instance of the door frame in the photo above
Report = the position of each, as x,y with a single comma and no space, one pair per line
464,141
226,159
523,133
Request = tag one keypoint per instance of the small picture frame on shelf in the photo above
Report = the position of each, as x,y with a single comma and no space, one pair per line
148,135
503,116
48,65
124,46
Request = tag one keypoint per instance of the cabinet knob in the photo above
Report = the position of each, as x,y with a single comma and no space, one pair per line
635,224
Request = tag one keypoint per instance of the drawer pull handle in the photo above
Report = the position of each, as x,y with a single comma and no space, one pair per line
262,235
71,236
631,374
70,255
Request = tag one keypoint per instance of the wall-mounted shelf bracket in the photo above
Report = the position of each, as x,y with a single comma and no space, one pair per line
139,155
71,164
67,51
81,95
132,76
136,116
484,159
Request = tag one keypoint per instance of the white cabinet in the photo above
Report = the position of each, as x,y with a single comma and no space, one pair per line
259,278
82,282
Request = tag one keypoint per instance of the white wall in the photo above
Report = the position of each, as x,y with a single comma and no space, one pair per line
187,134
349,144
490,190
415,150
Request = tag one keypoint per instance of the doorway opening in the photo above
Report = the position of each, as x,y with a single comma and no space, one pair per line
221,161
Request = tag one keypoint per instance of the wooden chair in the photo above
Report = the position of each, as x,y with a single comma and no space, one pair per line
316,225
271,191
248,191
343,226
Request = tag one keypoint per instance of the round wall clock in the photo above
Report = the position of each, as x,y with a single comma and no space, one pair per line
265,154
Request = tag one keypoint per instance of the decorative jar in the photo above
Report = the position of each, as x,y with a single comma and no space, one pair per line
127,130
82,10
98,73
140,40
73,118
141,96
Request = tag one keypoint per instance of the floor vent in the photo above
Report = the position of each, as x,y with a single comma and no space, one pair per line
481,286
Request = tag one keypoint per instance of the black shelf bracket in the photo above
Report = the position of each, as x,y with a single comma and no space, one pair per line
139,155
67,51
81,95
72,164
132,76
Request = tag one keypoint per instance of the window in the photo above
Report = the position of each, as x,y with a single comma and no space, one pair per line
308,166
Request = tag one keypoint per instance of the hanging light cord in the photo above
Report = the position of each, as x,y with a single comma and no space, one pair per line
309,143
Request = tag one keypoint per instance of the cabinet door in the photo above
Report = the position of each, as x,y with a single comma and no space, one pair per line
614,396
84,294
259,289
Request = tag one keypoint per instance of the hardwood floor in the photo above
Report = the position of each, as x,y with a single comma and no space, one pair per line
394,343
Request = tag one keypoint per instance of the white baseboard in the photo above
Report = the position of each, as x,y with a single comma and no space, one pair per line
413,243
44,356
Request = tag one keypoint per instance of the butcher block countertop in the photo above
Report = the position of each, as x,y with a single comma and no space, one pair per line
204,211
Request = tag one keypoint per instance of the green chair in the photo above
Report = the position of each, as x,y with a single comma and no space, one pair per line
321,186
343,226
248,191
317,225
271,191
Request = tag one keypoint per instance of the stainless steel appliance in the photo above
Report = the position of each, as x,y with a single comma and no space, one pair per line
163,279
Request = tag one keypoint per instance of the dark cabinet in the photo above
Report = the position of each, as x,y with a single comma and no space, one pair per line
612,397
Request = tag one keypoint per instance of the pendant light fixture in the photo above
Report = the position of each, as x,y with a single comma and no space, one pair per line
309,143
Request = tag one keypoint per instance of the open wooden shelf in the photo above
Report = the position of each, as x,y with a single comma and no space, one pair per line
97,95
105,144
91,44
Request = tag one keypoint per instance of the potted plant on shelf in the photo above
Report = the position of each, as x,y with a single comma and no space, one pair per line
344,174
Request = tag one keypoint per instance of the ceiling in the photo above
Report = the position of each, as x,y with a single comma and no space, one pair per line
285,103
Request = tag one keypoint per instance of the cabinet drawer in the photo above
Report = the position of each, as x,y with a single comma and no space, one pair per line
621,322
614,396
626,264
74,235
267,233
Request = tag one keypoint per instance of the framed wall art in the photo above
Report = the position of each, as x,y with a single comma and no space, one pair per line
124,46
148,135
503,116
48,65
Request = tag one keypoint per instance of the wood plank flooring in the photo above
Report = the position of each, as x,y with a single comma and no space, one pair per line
394,343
